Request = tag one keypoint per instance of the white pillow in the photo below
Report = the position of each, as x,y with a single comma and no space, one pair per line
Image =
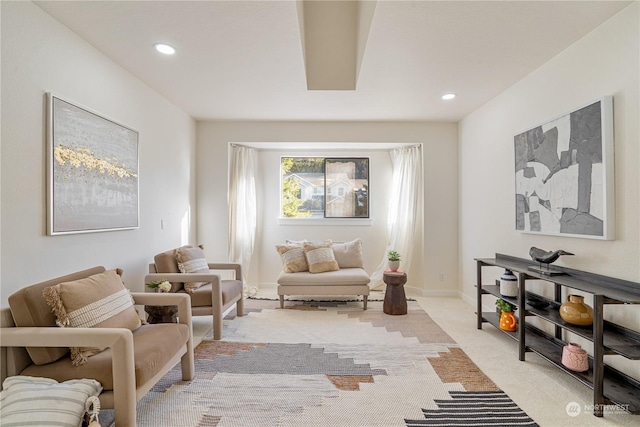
348,254
45,402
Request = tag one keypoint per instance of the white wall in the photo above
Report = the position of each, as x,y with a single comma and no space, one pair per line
41,55
605,62
437,253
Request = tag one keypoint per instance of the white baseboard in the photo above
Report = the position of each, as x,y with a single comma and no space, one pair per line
442,293
469,300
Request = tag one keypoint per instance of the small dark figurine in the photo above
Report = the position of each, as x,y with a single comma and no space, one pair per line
544,257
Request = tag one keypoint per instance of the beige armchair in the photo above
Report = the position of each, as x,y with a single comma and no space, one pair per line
211,299
130,366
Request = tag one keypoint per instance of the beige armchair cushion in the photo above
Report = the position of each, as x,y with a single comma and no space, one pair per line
202,297
98,301
166,263
154,346
29,309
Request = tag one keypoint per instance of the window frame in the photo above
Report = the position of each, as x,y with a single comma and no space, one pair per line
363,197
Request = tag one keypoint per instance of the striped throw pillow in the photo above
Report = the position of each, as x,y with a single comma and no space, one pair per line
31,401
192,260
98,301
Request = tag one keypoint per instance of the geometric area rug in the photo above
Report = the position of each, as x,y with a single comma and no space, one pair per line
329,363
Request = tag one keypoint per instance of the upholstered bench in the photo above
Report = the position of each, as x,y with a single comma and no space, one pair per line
325,268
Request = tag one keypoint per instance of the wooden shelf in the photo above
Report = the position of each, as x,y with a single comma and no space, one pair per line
618,388
623,291
493,318
617,339
608,384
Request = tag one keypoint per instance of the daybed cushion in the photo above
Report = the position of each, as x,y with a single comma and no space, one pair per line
320,257
154,345
344,276
29,309
97,301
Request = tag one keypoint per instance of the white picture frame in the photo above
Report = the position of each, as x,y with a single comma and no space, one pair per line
564,174
92,164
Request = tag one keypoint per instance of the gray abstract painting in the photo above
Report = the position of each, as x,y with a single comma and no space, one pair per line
564,174
93,171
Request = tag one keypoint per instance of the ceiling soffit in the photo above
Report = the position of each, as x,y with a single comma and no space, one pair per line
334,36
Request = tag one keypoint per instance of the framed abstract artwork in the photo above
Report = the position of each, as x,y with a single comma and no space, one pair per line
564,174
92,171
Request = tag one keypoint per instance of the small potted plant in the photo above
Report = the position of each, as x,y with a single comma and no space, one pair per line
394,260
507,316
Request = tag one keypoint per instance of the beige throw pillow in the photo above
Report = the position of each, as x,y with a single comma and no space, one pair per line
293,259
98,301
348,254
320,257
166,263
192,260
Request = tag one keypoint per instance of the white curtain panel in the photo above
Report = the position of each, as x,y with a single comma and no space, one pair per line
405,196
242,205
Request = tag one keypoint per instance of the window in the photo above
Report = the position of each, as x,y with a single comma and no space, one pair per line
323,187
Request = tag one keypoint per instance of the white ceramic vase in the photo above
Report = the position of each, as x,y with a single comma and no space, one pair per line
394,265
508,284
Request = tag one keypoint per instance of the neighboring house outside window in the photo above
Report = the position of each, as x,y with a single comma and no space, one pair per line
306,180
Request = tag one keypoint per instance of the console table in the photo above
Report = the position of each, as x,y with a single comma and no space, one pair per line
609,385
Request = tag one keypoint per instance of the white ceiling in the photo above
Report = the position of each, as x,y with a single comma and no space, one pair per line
243,60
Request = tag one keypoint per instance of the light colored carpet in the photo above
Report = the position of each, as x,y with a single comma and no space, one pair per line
324,364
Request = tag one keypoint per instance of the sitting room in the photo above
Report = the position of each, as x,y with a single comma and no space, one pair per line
252,170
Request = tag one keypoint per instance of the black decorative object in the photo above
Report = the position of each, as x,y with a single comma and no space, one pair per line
537,302
546,257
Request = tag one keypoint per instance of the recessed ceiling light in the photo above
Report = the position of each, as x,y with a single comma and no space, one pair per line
448,96
164,48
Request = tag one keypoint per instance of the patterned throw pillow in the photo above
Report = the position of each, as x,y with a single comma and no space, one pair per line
192,260
293,259
320,257
45,402
98,301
